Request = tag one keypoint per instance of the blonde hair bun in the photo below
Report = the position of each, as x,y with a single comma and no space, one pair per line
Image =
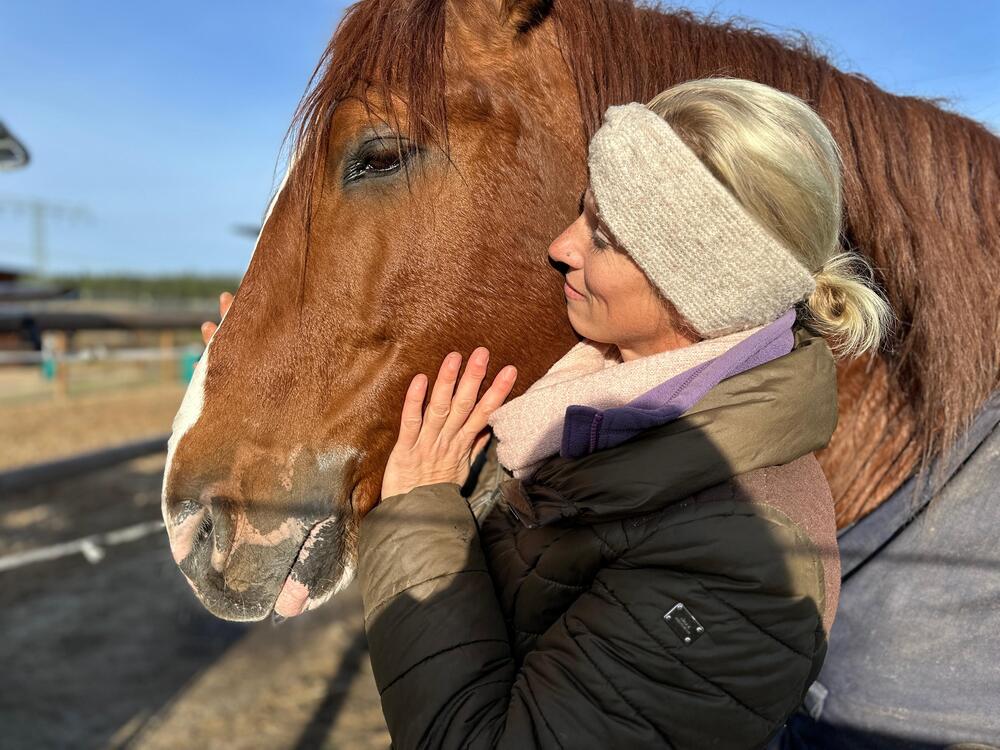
777,157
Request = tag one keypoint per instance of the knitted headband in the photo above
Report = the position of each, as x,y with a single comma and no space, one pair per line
721,269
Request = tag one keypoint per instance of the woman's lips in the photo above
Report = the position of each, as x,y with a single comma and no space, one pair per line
571,292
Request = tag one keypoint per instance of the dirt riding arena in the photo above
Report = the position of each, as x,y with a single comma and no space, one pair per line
105,646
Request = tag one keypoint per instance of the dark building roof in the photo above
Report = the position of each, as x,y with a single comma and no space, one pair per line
13,154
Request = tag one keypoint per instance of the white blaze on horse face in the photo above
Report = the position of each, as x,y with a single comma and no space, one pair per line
310,582
184,420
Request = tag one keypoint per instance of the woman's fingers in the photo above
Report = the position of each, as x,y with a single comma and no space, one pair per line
468,391
452,412
495,395
207,329
439,405
413,406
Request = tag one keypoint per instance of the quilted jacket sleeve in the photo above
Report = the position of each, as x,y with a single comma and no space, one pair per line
610,671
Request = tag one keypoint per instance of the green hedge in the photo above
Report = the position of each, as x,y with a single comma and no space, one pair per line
121,286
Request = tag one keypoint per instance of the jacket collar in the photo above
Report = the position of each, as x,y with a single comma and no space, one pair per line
591,375
587,429
764,416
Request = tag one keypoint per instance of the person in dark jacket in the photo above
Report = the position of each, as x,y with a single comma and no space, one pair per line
646,555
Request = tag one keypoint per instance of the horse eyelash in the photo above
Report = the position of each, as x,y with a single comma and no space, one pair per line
355,169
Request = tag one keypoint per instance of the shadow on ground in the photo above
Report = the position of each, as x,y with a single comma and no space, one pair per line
120,653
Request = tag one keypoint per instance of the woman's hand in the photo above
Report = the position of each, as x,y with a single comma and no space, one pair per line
208,327
441,446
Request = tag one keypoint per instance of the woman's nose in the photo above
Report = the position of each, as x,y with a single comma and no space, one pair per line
566,248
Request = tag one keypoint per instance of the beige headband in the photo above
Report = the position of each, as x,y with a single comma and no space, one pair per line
722,270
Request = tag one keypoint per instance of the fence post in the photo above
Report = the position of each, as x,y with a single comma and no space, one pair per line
56,344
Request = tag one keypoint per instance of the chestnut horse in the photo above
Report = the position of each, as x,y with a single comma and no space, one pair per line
440,148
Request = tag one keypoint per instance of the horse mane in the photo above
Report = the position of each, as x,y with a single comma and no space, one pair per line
921,184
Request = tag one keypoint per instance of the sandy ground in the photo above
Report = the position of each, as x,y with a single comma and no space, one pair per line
120,654
44,429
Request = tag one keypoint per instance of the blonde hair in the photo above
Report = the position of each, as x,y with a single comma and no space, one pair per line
780,161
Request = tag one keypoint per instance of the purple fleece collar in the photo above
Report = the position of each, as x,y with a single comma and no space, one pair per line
587,429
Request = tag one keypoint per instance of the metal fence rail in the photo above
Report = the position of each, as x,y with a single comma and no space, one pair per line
98,354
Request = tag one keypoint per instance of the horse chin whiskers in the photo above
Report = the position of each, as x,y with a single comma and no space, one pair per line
231,605
346,578
347,574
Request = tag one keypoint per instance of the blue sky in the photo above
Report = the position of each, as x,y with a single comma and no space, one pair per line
164,120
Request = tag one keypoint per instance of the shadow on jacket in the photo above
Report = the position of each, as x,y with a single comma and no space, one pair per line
673,591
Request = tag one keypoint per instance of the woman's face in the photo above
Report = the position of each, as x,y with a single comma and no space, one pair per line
608,297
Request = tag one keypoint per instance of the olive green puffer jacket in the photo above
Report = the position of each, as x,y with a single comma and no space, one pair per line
674,591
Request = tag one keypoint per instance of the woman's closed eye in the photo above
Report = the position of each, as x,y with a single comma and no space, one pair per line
599,240
597,237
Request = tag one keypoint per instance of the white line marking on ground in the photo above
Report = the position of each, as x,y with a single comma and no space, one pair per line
91,547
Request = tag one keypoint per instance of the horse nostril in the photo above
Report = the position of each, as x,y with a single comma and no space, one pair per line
219,526
185,527
203,532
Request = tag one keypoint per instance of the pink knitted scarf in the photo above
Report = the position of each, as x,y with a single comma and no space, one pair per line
529,427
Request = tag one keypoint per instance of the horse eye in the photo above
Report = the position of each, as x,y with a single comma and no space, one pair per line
376,162
382,163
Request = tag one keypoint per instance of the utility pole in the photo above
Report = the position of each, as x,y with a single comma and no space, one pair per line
38,236
40,212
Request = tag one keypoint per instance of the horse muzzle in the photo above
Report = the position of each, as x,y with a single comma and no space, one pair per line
245,562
